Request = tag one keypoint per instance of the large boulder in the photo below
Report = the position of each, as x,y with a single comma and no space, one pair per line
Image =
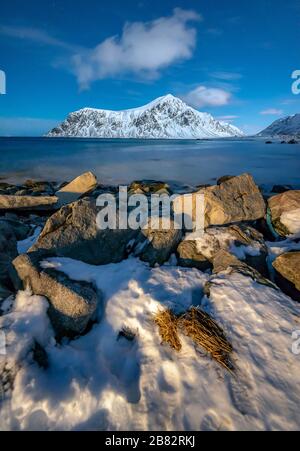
285,212
287,268
83,184
10,202
237,199
241,240
156,244
72,304
72,232
234,200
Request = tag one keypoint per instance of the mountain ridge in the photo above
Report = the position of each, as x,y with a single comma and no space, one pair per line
166,117
286,126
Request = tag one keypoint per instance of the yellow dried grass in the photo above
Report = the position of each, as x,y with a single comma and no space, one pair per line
167,324
201,328
205,332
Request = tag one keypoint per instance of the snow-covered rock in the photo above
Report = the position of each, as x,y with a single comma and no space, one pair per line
243,241
289,125
72,305
165,118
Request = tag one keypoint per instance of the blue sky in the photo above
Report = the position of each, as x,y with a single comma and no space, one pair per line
231,58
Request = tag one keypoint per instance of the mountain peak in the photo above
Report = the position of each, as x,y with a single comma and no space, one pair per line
173,100
168,97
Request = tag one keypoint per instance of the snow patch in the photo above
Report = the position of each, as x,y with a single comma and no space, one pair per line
100,382
25,245
291,219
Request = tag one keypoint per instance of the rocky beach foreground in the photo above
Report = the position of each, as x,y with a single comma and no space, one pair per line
149,329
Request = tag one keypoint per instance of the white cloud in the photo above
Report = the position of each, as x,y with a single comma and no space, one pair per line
144,48
227,76
204,96
36,35
271,112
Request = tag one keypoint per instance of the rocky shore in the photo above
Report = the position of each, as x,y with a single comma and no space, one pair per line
237,214
250,237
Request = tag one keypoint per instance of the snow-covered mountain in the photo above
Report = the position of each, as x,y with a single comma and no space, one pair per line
165,118
289,125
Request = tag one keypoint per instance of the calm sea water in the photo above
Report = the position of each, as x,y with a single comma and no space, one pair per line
122,161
